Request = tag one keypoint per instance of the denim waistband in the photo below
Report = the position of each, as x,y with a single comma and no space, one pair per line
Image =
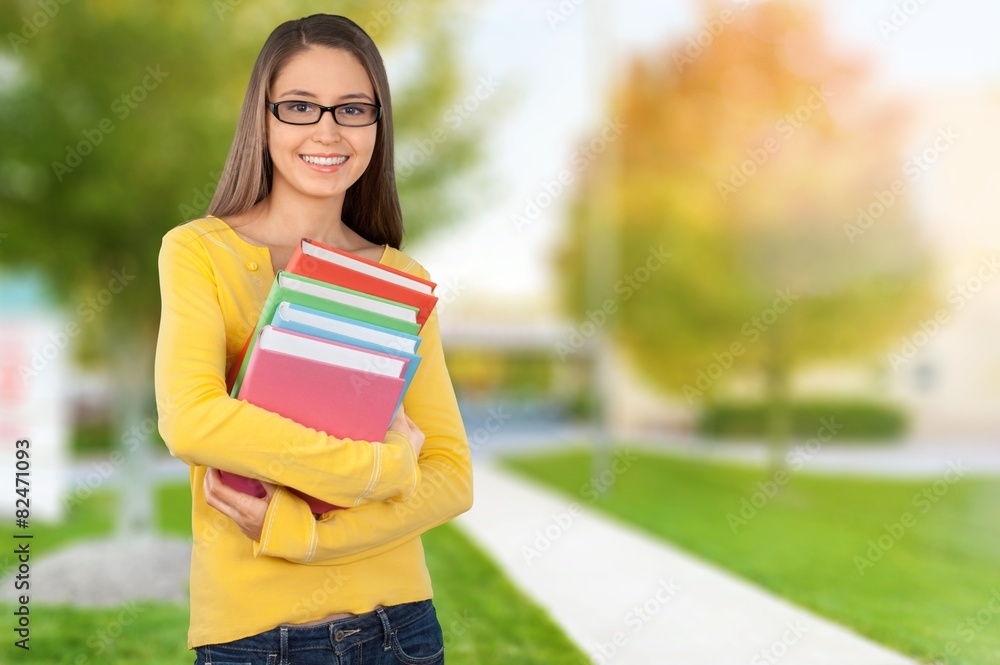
340,634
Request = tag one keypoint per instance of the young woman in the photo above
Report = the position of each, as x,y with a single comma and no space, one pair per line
271,582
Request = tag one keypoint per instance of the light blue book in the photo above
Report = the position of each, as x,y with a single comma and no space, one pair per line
314,322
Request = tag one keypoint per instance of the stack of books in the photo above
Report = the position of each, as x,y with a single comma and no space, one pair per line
334,349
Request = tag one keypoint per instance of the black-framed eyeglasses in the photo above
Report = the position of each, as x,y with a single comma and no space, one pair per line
351,114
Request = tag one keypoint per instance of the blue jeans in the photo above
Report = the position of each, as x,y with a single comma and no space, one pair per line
408,633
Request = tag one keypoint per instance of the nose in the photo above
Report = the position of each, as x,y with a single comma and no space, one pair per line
326,130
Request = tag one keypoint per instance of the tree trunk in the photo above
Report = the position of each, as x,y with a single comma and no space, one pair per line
779,415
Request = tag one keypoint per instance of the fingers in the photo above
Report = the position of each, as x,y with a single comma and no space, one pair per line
401,420
245,510
269,489
215,497
222,492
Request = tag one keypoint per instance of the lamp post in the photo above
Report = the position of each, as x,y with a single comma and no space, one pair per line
601,219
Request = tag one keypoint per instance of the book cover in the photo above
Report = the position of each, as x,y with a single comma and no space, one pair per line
305,291
334,388
317,324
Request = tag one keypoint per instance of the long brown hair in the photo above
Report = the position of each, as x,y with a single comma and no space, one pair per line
371,205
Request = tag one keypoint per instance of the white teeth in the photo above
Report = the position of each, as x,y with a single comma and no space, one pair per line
323,161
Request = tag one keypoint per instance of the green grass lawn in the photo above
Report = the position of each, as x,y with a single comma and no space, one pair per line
484,618
929,585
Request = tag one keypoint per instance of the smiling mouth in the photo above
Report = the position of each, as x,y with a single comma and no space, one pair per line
323,161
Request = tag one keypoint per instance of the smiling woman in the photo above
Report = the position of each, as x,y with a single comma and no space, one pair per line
305,145
270,581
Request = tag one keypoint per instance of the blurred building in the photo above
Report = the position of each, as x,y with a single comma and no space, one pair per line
948,370
35,354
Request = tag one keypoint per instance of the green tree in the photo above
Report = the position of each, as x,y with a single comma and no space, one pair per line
747,155
117,118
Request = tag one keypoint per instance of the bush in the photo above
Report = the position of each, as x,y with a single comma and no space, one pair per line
92,439
860,419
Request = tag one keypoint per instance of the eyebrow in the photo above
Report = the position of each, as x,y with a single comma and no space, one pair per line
306,93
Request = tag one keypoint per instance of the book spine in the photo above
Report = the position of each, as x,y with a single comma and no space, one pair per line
274,297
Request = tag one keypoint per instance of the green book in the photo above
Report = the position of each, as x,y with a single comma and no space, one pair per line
332,299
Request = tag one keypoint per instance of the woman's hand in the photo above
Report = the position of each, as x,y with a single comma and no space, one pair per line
409,429
247,511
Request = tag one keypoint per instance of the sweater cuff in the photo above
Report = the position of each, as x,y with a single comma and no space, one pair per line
289,530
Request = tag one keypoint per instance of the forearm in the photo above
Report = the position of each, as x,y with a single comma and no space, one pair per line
343,536
445,488
233,435
202,425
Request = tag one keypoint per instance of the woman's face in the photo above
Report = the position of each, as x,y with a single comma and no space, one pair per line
302,154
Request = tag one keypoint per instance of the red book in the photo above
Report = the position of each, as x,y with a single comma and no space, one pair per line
338,389
329,264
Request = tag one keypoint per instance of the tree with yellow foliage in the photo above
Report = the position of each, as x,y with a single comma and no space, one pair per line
770,170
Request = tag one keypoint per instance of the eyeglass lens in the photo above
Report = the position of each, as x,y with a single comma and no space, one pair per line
344,114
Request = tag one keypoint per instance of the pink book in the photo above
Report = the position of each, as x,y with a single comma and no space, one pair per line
339,389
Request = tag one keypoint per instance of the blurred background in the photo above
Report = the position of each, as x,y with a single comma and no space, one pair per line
742,238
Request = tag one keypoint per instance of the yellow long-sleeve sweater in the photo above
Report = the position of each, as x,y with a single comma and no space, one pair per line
213,285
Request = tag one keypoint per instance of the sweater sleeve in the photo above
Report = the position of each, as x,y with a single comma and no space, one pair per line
203,426
445,490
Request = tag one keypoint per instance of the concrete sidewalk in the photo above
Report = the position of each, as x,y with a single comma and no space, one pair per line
629,599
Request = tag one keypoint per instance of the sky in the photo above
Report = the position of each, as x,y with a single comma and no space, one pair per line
551,65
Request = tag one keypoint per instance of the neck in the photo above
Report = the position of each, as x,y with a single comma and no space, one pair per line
287,217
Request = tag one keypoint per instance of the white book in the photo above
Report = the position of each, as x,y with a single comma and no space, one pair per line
340,326
310,249
281,341
336,295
